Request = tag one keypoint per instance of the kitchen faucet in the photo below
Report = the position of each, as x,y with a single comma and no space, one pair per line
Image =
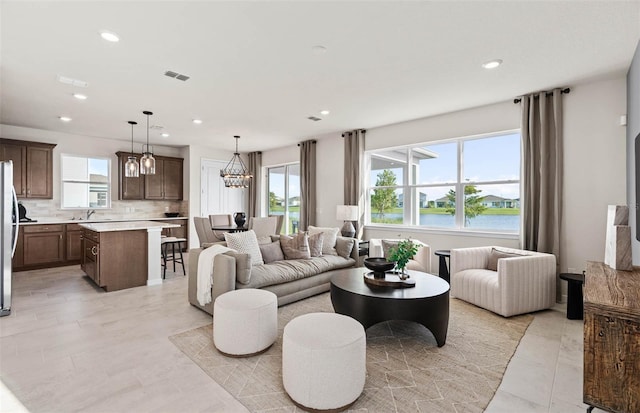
90,212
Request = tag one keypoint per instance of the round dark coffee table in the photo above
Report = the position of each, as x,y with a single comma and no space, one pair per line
427,303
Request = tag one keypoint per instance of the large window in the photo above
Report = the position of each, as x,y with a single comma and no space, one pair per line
86,182
283,191
471,183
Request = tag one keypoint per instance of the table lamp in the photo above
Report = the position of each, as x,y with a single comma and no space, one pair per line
347,213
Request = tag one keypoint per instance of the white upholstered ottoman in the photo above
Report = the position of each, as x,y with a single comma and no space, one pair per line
323,361
245,322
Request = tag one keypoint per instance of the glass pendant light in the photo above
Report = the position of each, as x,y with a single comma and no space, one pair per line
131,168
147,162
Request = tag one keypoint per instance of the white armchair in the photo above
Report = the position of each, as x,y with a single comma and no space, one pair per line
523,283
420,262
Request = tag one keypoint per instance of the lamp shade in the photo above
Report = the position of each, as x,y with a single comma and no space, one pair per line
347,213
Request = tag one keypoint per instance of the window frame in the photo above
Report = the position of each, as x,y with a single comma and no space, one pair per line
411,211
88,182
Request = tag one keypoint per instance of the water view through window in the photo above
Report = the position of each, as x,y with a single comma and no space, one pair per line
466,183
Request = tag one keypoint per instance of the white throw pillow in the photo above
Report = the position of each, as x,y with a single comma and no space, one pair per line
329,241
246,243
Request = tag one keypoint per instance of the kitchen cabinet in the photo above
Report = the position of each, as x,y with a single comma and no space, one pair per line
129,188
115,260
165,184
33,167
43,244
18,256
73,250
612,338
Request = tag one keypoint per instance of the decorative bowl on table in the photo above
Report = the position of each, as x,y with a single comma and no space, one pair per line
379,265
171,214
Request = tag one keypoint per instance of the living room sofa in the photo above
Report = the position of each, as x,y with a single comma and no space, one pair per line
290,280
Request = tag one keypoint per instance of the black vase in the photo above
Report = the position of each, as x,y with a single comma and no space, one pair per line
240,218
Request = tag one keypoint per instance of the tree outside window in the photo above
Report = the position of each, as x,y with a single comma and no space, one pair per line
383,199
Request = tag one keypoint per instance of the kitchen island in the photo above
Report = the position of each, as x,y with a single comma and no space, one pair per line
119,255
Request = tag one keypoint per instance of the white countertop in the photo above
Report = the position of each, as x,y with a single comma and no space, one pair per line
125,226
47,220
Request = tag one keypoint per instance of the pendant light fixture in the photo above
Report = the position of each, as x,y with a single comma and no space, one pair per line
131,168
147,162
236,174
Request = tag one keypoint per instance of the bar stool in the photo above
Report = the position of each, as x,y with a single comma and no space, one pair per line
165,243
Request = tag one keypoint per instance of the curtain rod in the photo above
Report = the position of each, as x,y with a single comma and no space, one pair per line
312,141
562,91
361,130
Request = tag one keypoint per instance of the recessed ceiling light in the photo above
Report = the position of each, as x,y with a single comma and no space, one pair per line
319,49
109,36
64,118
324,112
197,121
80,96
165,135
492,64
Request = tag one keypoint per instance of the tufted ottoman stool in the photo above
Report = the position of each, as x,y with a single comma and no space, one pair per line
323,361
245,322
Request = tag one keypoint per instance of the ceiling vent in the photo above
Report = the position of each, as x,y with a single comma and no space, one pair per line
176,75
73,82
156,127
314,118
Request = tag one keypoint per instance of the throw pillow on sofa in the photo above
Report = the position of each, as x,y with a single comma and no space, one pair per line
296,247
315,244
330,236
344,246
495,255
271,252
245,242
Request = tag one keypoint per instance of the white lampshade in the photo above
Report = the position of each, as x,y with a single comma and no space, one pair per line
347,213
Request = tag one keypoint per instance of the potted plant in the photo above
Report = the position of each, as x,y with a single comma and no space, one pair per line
401,254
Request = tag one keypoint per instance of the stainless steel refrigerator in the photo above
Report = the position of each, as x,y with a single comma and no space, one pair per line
8,233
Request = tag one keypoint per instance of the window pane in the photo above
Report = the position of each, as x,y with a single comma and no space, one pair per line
492,159
495,207
437,207
276,191
436,164
75,168
387,167
386,206
98,195
75,195
98,170
92,190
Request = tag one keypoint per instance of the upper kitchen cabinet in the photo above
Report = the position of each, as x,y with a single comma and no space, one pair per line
165,184
128,187
32,167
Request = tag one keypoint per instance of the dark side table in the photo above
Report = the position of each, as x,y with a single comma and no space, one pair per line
574,295
443,269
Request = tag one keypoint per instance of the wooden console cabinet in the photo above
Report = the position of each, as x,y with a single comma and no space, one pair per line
32,167
612,338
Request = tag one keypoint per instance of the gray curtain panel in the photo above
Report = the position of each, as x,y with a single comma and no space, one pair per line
353,163
307,184
255,168
542,171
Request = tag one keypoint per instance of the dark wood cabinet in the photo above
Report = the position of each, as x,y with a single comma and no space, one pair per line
612,338
43,244
165,184
129,188
115,260
73,250
33,167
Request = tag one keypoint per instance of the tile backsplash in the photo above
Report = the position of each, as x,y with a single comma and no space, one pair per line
46,208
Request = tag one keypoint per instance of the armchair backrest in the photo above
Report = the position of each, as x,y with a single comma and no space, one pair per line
221,220
263,226
204,231
280,221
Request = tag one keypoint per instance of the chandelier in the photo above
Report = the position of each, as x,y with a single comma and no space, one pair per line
147,162
236,174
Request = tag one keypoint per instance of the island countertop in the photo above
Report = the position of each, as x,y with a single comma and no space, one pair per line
126,226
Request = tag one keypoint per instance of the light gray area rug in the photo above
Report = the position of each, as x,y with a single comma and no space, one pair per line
406,371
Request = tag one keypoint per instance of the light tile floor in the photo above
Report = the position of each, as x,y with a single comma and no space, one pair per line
68,346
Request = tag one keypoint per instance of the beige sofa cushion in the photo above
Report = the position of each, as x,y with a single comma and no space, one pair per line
495,255
271,252
330,236
296,247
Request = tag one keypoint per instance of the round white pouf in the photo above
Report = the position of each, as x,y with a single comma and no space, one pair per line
323,360
245,322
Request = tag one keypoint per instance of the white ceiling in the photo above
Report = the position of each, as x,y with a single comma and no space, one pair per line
254,74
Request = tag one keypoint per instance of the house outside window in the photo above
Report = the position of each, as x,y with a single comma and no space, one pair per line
460,184
283,195
86,182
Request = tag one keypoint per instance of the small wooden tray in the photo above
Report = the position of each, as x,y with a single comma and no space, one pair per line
390,279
